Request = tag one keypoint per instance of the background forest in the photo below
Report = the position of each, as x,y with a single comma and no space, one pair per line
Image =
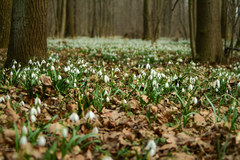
119,79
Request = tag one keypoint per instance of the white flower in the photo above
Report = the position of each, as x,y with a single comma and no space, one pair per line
190,87
95,130
195,100
11,73
33,118
148,66
124,101
90,115
24,130
106,79
52,68
30,61
107,158
2,100
33,111
22,103
65,132
74,117
183,90
59,77
107,99
166,85
218,83
117,70
150,77
38,110
152,147
238,84
105,92
7,97
41,141
23,141
37,101
154,83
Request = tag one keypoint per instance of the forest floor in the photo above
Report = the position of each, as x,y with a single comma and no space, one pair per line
119,99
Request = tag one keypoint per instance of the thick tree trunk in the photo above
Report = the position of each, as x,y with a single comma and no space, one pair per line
147,20
5,22
28,36
208,40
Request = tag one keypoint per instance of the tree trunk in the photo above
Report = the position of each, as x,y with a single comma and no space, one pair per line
147,20
158,7
94,19
70,18
28,36
63,20
208,40
192,18
5,22
226,32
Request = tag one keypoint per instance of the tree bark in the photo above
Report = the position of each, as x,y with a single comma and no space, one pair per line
147,20
28,36
94,19
70,19
63,21
5,22
208,40
192,18
226,32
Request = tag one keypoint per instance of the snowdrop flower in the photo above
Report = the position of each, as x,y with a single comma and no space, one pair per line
190,87
107,158
37,101
100,73
74,117
33,111
150,77
183,90
38,110
166,85
195,100
13,67
124,101
95,130
238,84
67,81
105,92
2,100
152,147
33,118
90,115
30,61
52,68
7,97
41,141
107,99
148,66
117,70
59,77
218,83
24,130
22,103
154,83
65,132
106,79
23,141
